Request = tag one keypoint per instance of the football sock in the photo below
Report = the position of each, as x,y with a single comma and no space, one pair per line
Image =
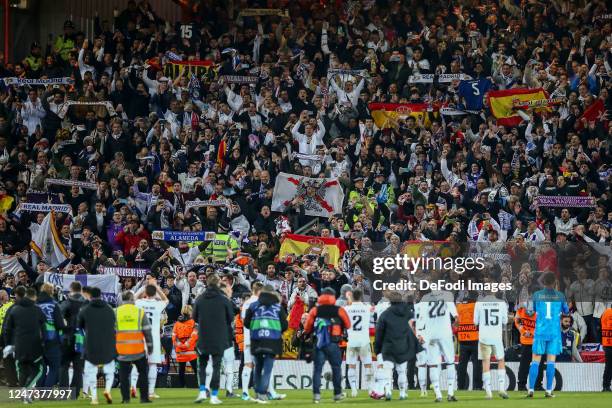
450,378
434,376
246,378
501,379
533,374
550,375
352,378
486,381
422,376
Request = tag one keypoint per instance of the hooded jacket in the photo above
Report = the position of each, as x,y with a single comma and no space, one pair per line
214,314
97,320
24,328
266,346
394,338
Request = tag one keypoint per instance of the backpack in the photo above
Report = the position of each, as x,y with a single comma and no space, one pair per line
322,332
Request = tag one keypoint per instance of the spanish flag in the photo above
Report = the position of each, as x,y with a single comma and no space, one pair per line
294,244
386,115
505,105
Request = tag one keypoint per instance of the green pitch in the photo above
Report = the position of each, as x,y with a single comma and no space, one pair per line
174,398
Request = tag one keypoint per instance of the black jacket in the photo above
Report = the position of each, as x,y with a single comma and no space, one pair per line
394,338
214,313
97,319
24,328
70,310
274,347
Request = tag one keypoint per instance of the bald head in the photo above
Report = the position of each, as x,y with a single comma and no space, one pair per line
4,297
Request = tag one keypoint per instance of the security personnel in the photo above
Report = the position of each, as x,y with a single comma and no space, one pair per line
218,248
467,334
606,342
133,332
8,362
524,322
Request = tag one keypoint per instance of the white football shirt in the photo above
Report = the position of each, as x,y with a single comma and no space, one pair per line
153,309
439,308
491,314
419,318
359,314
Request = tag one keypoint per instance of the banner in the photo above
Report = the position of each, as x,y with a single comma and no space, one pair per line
44,207
200,68
10,264
571,377
82,184
442,78
505,104
353,72
386,115
187,236
46,242
294,244
565,201
38,81
238,79
107,104
205,203
320,197
124,272
251,12
108,284
304,156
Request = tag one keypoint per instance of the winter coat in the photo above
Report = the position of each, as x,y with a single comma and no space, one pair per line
214,314
266,346
394,338
97,319
24,328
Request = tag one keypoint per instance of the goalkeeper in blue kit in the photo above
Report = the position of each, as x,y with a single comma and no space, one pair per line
548,304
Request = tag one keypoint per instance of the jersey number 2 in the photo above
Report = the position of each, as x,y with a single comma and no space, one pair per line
357,323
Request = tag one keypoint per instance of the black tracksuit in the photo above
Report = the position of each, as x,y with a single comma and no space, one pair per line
24,328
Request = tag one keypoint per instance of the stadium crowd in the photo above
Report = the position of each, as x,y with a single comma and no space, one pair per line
132,139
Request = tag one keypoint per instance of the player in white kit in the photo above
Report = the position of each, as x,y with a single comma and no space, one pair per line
358,347
153,301
439,308
490,315
418,326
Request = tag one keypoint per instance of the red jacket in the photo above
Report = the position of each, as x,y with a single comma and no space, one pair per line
128,240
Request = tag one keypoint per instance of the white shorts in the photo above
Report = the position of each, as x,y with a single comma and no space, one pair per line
363,353
485,351
438,348
248,357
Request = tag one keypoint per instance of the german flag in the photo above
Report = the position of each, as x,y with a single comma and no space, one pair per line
386,115
294,244
506,104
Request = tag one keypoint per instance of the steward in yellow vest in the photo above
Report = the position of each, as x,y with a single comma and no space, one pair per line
133,341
